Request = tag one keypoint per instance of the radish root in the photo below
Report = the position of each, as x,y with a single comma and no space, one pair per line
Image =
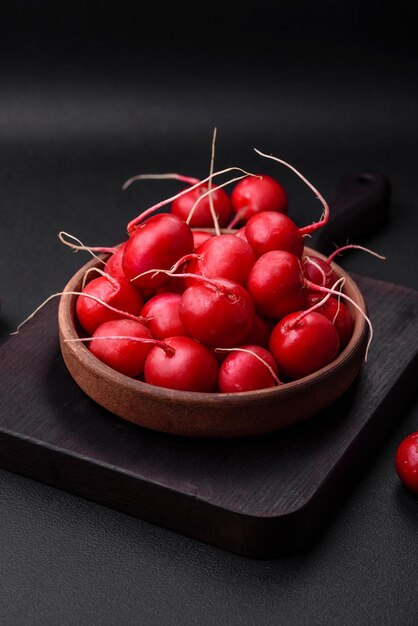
80,246
85,295
169,176
325,214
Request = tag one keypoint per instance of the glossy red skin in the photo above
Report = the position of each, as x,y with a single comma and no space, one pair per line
199,236
157,243
163,316
202,217
406,462
338,315
260,332
92,314
315,276
276,284
223,256
113,265
123,355
269,231
305,348
220,319
255,195
192,368
241,371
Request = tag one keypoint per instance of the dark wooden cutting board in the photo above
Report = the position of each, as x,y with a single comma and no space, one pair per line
258,497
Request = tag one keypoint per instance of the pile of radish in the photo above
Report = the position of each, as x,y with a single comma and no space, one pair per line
202,311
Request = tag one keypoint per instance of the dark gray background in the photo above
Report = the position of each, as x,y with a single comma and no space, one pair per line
90,96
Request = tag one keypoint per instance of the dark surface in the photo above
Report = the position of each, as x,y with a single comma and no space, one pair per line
89,98
260,496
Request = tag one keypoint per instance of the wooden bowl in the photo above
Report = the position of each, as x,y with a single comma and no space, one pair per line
196,414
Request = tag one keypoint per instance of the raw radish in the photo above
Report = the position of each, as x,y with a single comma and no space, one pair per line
192,367
157,243
162,313
217,312
406,462
202,216
113,264
123,355
120,295
223,256
303,343
199,236
247,368
269,231
260,332
276,284
318,271
252,195
338,314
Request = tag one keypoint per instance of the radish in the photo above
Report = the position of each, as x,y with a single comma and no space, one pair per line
338,314
320,272
202,216
162,314
120,295
217,312
114,265
199,236
253,195
247,368
145,214
192,367
223,256
303,342
276,284
125,355
269,231
157,243
259,333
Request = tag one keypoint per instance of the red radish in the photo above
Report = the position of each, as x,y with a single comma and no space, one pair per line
113,264
145,214
199,236
120,295
318,271
269,231
276,284
157,243
303,343
192,367
260,331
202,216
217,312
123,355
247,368
223,256
406,462
252,195
162,314
338,314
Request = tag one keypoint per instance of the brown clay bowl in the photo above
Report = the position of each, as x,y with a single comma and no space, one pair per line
195,414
